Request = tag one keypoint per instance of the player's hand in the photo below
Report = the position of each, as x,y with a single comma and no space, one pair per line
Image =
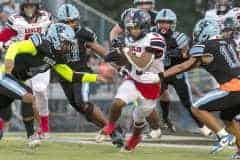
102,79
9,65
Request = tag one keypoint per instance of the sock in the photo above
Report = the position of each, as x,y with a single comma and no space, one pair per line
29,126
222,133
165,109
1,124
44,124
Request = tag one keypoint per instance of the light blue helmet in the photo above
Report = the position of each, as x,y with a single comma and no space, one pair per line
206,29
67,12
167,15
60,33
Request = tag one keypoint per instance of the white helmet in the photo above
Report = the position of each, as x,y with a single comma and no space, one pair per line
206,29
167,15
67,12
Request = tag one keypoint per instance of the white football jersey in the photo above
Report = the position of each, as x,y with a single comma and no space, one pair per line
234,12
152,40
24,29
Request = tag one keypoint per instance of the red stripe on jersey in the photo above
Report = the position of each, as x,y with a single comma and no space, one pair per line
161,39
6,34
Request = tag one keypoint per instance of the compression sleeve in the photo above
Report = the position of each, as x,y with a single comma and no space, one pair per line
68,74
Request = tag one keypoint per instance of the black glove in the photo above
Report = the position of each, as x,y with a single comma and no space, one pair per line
118,42
117,57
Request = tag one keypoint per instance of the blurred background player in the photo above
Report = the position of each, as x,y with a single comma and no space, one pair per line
31,19
146,5
177,52
142,85
76,92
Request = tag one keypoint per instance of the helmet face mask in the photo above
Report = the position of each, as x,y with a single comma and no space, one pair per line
164,26
137,20
166,21
29,8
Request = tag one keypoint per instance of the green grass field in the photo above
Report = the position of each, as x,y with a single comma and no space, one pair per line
15,149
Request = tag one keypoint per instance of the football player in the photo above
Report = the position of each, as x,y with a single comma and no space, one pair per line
219,57
77,92
25,59
143,82
31,19
177,52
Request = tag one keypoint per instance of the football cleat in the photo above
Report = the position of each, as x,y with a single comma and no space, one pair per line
34,141
117,139
236,156
167,125
223,142
132,142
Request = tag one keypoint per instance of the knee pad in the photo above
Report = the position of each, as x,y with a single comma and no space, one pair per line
27,111
6,113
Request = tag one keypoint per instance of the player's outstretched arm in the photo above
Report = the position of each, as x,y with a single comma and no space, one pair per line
68,74
187,65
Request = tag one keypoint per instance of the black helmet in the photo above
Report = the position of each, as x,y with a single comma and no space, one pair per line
30,2
137,18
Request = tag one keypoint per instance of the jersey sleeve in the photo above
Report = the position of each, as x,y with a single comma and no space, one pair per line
181,39
87,34
15,22
26,47
68,74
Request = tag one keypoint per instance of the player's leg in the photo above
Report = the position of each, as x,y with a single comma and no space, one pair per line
126,93
165,106
216,100
16,90
5,113
39,85
228,116
145,109
183,90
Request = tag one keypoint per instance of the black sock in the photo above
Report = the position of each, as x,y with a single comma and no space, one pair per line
29,126
165,109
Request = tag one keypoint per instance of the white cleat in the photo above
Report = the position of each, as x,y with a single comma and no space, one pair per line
45,135
34,141
206,131
100,137
156,134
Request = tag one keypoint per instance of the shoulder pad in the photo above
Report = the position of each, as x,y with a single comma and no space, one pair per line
15,22
157,41
181,39
87,34
197,50
36,39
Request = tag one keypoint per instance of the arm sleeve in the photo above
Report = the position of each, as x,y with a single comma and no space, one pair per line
68,74
26,47
6,34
